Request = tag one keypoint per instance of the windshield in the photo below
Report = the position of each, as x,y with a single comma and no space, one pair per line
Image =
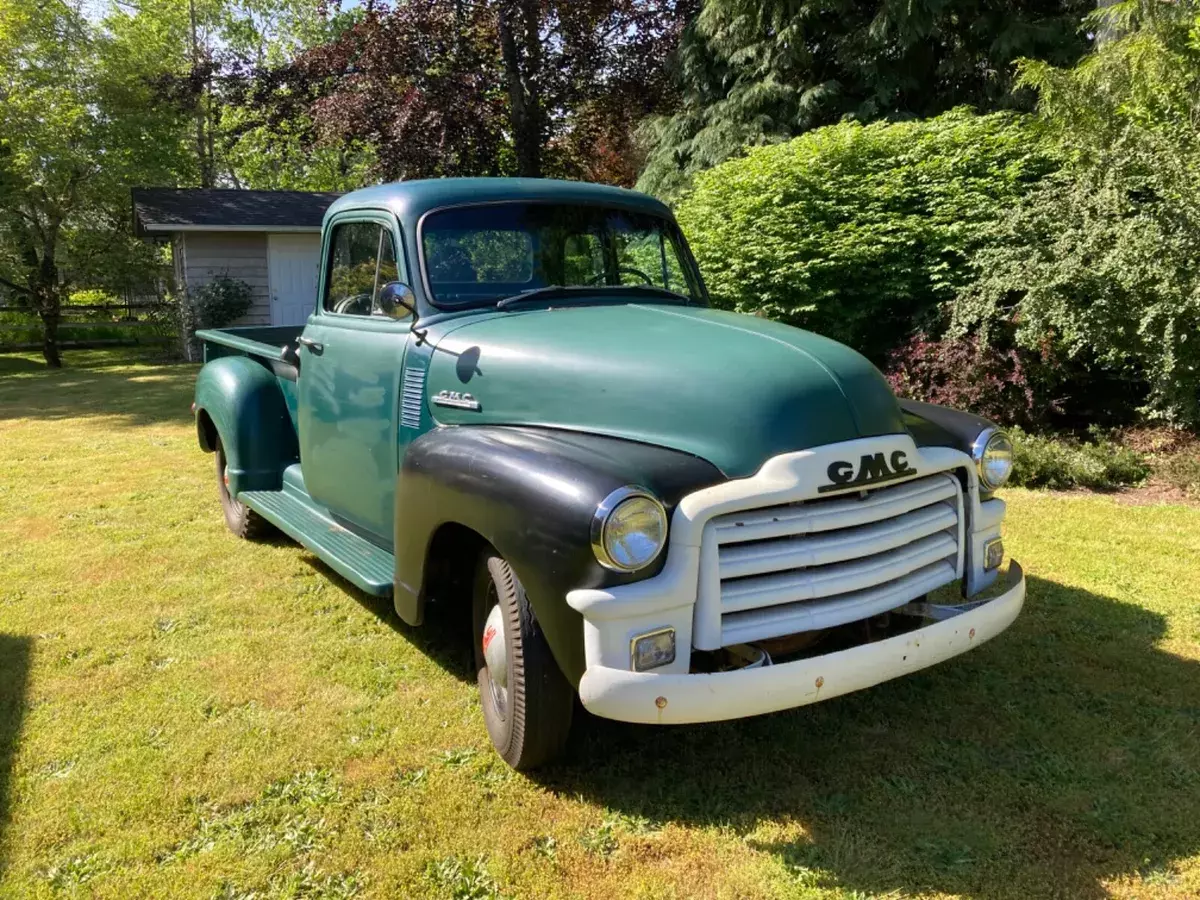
482,254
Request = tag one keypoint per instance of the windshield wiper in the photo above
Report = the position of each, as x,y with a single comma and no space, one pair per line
655,289
549,290
558,290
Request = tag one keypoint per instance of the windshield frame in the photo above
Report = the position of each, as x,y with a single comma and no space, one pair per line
671,229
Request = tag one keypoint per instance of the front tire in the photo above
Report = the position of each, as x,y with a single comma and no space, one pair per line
241,519
527,702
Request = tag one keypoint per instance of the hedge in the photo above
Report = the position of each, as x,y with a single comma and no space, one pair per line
859,232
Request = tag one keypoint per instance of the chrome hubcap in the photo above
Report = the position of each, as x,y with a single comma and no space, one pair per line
496,649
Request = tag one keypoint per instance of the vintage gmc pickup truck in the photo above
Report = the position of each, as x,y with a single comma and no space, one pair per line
513,398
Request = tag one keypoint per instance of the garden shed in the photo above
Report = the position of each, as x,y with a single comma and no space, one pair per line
271,240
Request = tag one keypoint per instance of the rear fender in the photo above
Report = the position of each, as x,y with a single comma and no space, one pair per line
242,399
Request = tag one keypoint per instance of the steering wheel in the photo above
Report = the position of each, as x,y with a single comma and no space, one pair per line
356,304
646,279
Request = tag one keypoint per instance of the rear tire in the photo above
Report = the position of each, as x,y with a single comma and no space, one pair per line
241,519
528,716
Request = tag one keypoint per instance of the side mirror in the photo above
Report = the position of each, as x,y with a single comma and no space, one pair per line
396,300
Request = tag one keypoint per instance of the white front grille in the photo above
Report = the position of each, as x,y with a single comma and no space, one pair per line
779,570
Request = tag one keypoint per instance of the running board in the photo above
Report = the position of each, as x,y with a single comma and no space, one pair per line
357,560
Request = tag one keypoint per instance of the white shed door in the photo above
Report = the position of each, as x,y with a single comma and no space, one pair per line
294,262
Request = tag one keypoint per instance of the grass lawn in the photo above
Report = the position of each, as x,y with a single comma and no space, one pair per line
183,714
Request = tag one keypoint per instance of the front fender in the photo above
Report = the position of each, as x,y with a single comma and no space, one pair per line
531,493
243,400
942,426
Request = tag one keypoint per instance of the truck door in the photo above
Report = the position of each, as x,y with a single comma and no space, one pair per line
349,387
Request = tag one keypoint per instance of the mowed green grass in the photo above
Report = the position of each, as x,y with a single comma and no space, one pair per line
183,714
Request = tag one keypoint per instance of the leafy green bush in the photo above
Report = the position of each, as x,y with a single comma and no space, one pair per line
155,325
91,297
1181,470
1061,463
1107,263
220,302
859,232
216,304
1104,257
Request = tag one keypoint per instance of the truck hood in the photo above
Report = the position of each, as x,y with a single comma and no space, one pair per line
734,390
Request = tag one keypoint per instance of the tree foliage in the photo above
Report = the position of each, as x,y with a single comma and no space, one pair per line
150,93
859,232
199,56
759,71
496,87
74,126
1104,258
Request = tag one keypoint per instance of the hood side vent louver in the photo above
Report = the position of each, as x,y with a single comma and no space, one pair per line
412,396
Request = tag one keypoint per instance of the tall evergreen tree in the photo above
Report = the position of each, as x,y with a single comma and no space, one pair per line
757,71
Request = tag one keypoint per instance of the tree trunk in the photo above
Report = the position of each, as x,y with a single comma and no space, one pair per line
203,142
50,317
1107,31
522,65
533,86
48,293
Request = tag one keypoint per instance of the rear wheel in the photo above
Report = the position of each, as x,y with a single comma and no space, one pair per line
241,519
527,702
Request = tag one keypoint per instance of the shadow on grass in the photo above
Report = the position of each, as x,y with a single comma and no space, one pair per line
133,387
21,364
1063,754
444,636
14,674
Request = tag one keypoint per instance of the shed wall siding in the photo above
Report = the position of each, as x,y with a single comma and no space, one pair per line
240,255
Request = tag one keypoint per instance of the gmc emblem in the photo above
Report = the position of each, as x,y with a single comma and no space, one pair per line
872,469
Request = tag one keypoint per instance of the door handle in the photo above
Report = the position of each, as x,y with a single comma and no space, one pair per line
315,346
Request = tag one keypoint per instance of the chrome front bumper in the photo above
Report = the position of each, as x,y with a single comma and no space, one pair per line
680,698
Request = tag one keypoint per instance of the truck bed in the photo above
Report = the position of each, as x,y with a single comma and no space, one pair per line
257,340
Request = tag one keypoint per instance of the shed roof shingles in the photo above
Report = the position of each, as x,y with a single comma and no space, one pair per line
171,209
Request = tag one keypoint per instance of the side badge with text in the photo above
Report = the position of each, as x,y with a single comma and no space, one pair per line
456,400
872,468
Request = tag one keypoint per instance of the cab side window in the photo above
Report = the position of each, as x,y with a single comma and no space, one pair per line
362,259
389,269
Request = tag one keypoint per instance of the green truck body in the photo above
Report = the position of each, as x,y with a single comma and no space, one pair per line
513,398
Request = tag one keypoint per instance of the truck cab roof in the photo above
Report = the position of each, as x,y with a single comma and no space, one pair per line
409,200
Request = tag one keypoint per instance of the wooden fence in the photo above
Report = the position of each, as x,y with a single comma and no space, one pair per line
87,326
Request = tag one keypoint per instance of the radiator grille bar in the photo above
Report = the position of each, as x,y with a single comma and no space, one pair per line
774,571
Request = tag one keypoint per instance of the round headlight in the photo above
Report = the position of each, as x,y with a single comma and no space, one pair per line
993,454
629,530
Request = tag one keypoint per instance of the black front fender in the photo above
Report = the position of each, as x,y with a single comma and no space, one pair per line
531,493
941,426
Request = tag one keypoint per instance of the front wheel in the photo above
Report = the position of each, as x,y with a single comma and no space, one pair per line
527,702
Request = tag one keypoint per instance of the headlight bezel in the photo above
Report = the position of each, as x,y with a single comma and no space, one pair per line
600,522
979,451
